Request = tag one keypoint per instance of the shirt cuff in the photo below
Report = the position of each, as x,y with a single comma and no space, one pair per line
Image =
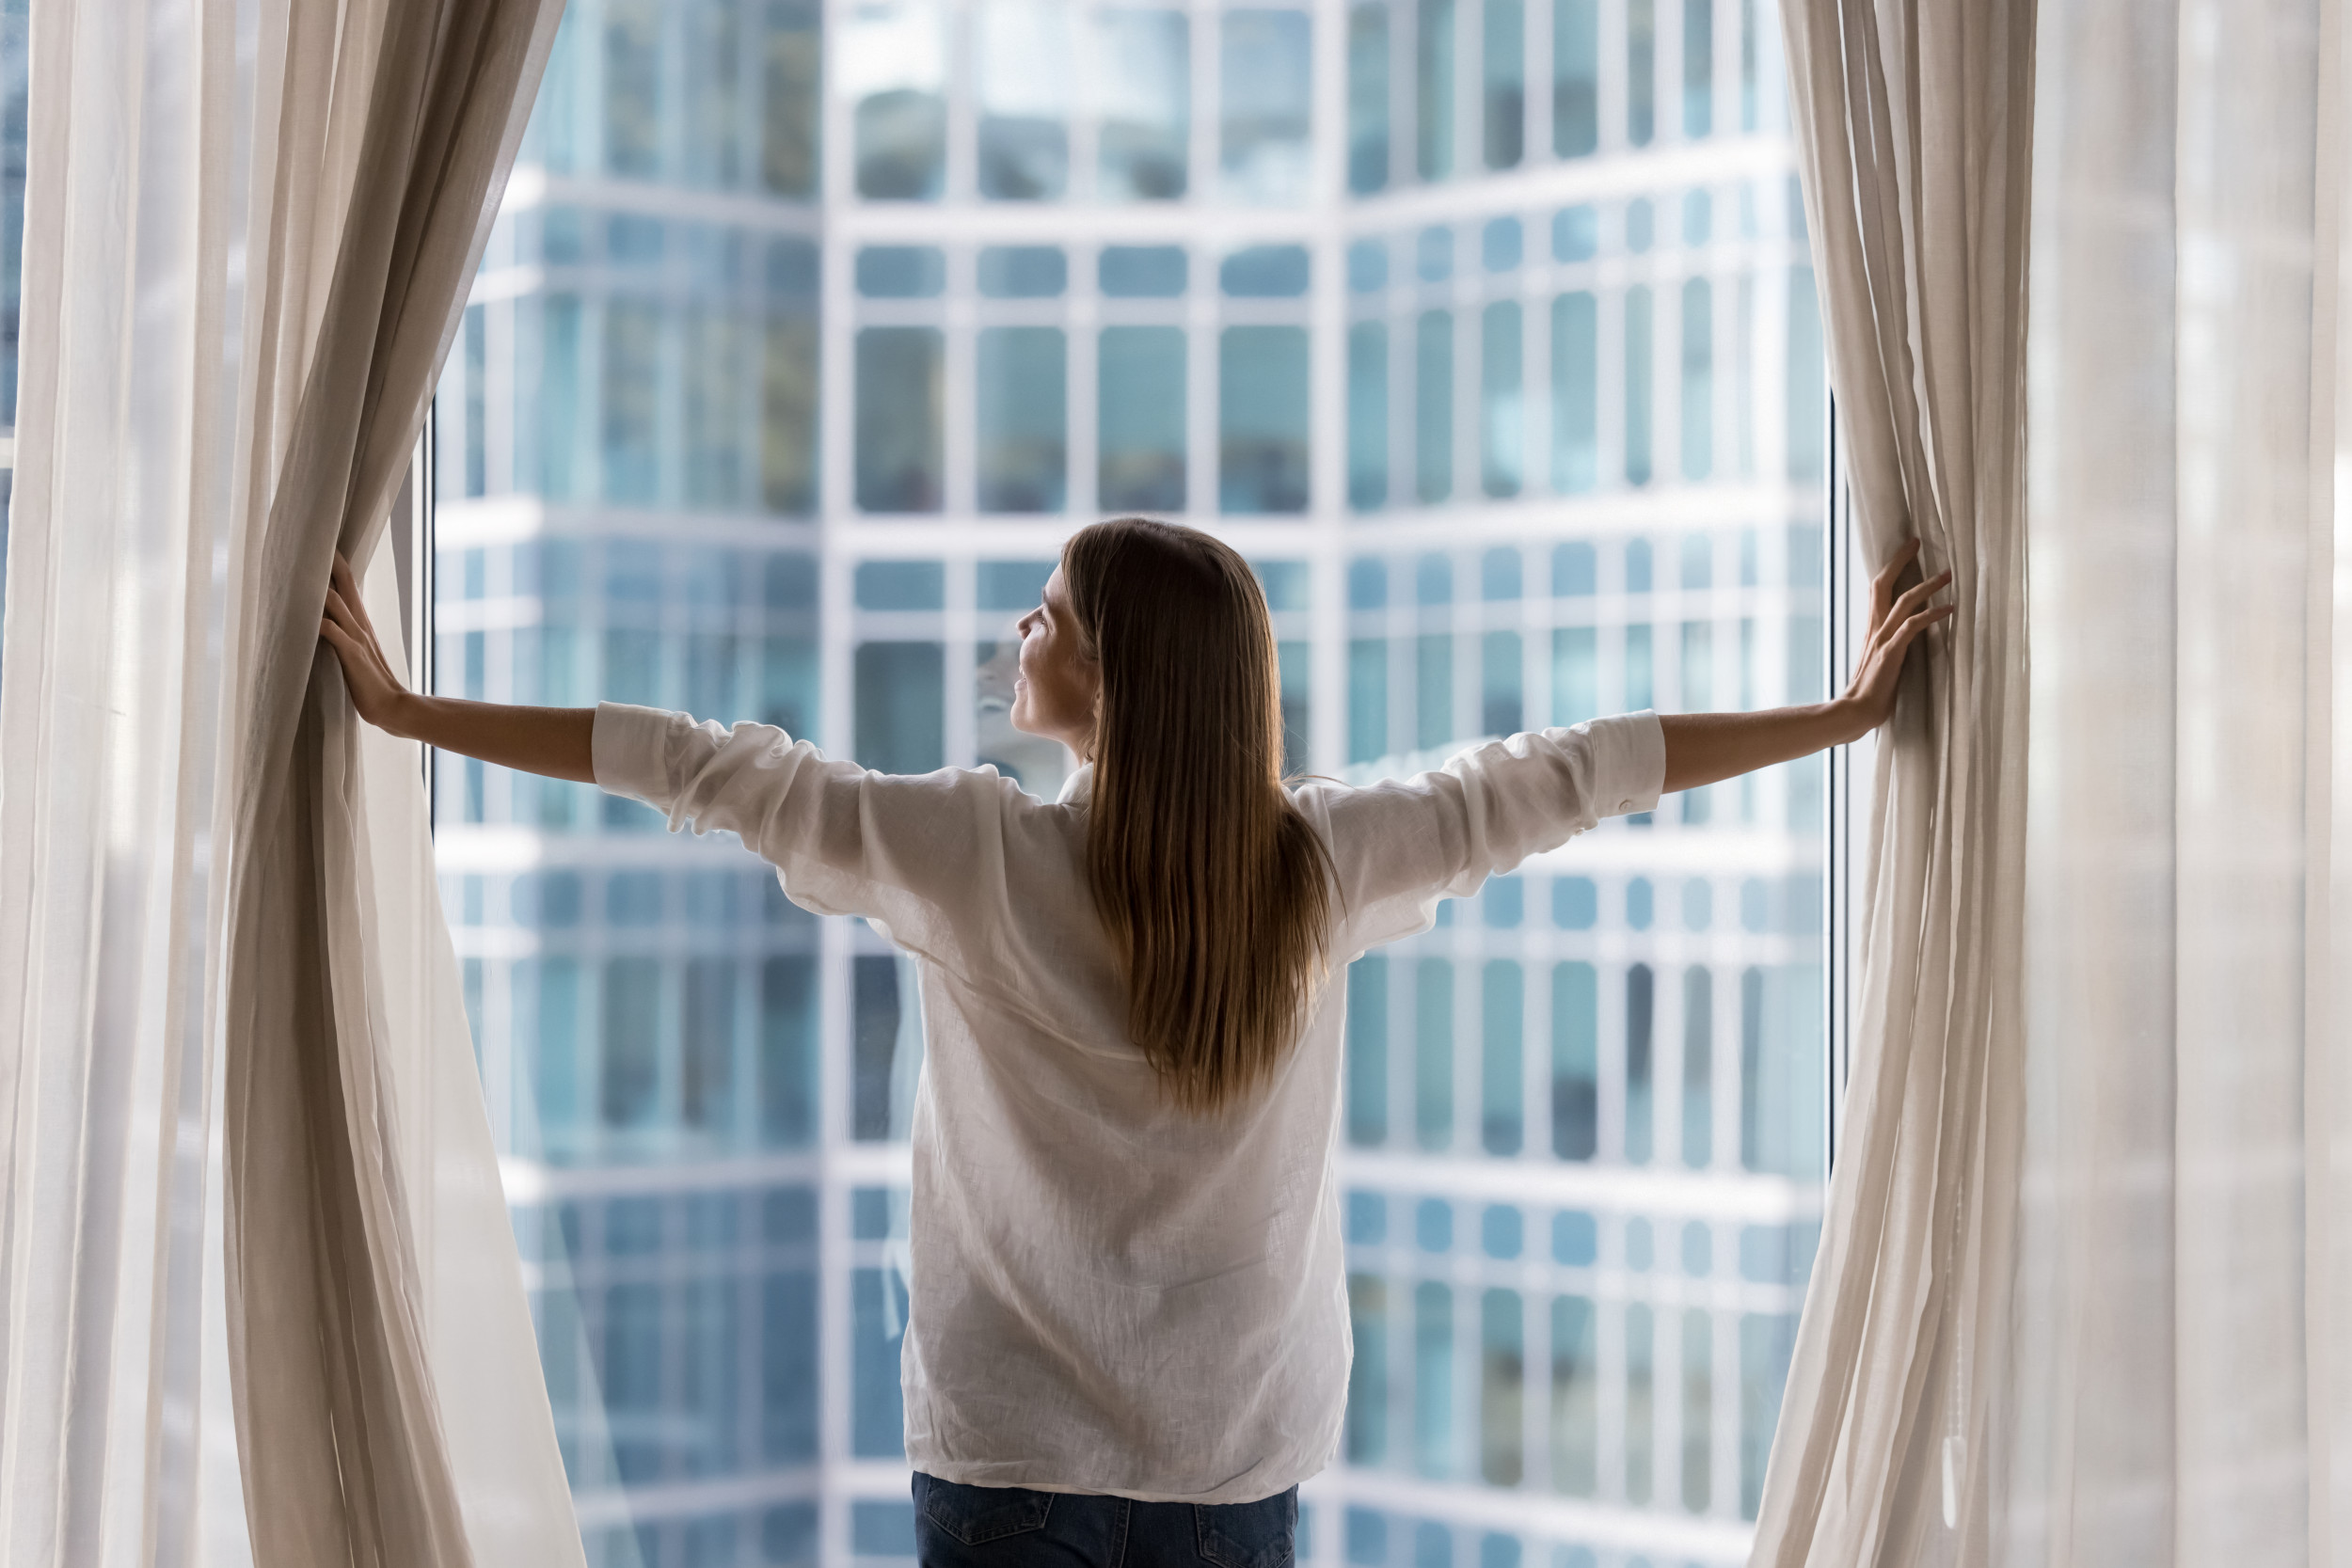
1629,763
628,749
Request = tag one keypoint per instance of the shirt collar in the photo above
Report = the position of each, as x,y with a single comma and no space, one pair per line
1077,790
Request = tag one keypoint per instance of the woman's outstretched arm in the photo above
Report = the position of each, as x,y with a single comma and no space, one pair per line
1703,748
553,741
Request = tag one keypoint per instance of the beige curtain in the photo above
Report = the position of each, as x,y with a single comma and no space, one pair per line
1914,122
247,1163
2183,1370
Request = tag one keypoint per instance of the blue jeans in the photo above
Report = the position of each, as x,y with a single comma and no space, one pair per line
1001,1526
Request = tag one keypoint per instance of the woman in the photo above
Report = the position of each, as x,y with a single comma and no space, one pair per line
1128,1338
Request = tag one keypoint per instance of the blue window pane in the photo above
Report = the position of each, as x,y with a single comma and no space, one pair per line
1503,903
1501,1347
1433,1053
1021,419
1433,580
1022,271
788,1535
1141,271
1367,699
1641,71
869,1214
899,692
1367,415
1433,1436
901,271
899,123
1498,1551
1368,1050
632,81
633,1379
1698,379
1638,356
1264,272
1500,245
1640,225
1145,132
1500,423
1501,1230
1367,266
1022,60
1574,1061
1432,405
1698,1249
1698,217
899,585
1367,584
1575,903
1433,690
1699,904
1013,584
787,416
1367,1537
882,1528
1503,67
899,419
632,378
1767,1342
788,1051
1575,392
1699,1059
632,1047
878,1315
1575,77
1367,97
1575,1239
1140,376
1574,1396
1433,255
1501,1088
1267,106
1639,1001
1808,384
1262,420
1432,1225
875,1018
1639,667
1283,582
1640,1400
1698,67
1433,52
1368,1372
1367,1219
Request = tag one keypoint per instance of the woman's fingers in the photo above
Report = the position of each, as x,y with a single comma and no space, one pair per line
1883,585
348,582
1890,620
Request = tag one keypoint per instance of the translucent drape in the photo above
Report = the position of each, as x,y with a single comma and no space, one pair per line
246,1158
2179,1384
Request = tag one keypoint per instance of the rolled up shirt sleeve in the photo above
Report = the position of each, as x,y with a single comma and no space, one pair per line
1401,846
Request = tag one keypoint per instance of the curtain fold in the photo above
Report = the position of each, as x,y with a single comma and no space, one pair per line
229,1012
2182,1318
1914,122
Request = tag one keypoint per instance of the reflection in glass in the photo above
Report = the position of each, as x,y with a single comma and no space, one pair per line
1267,104
1503,69
1641,1356
1367,98
1262,418
1432,139
1574,1061
1368,1051
1040,765
1024,67
898,414
714,46
891,66
632,385
632,82
1433,1381
1698,1407
1368,1374
1502,1084
1020,418
1142,76
899,689
1698,1067
787,416
1641,71
1502,1345
1575,1397
1139,377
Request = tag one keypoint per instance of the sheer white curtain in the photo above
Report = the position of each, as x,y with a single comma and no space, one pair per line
245,1161
1914,122
2184,1342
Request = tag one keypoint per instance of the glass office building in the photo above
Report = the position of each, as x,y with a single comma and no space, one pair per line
1485,328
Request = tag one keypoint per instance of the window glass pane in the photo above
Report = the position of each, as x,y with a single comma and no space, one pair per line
632,82
713,38
1501,1343
1434,1436
788,96
901,271
1433,54
877,1413
1698,67
1367,699
1141,373
1433,1053
1639,998
1367,98
1698,379
1142,270
1575,393
1575,1060
1698,1408
1267,106
1367,415
717,363
900,696
898,437
1023,272
1432,405
1575,1397
632,384
1504,68
1640,1392
1264,272
1262,418
1020,408
1638,356
1575,77
1025,69
1501,422
1641,71
1367,1373
1698,1067
1143,66
1501,1083
892,67
1368,1050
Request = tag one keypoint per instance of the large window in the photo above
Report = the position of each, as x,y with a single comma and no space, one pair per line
1511,391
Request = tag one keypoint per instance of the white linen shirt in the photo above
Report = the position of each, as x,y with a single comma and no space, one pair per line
1108,1294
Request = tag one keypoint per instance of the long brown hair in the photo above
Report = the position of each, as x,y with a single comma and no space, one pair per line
1215,890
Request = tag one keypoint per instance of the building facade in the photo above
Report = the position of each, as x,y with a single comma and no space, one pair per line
1485,329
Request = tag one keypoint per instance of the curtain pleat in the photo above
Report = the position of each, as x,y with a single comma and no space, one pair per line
1913,126
247,1163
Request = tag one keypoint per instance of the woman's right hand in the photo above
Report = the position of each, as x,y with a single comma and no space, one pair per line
375,688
